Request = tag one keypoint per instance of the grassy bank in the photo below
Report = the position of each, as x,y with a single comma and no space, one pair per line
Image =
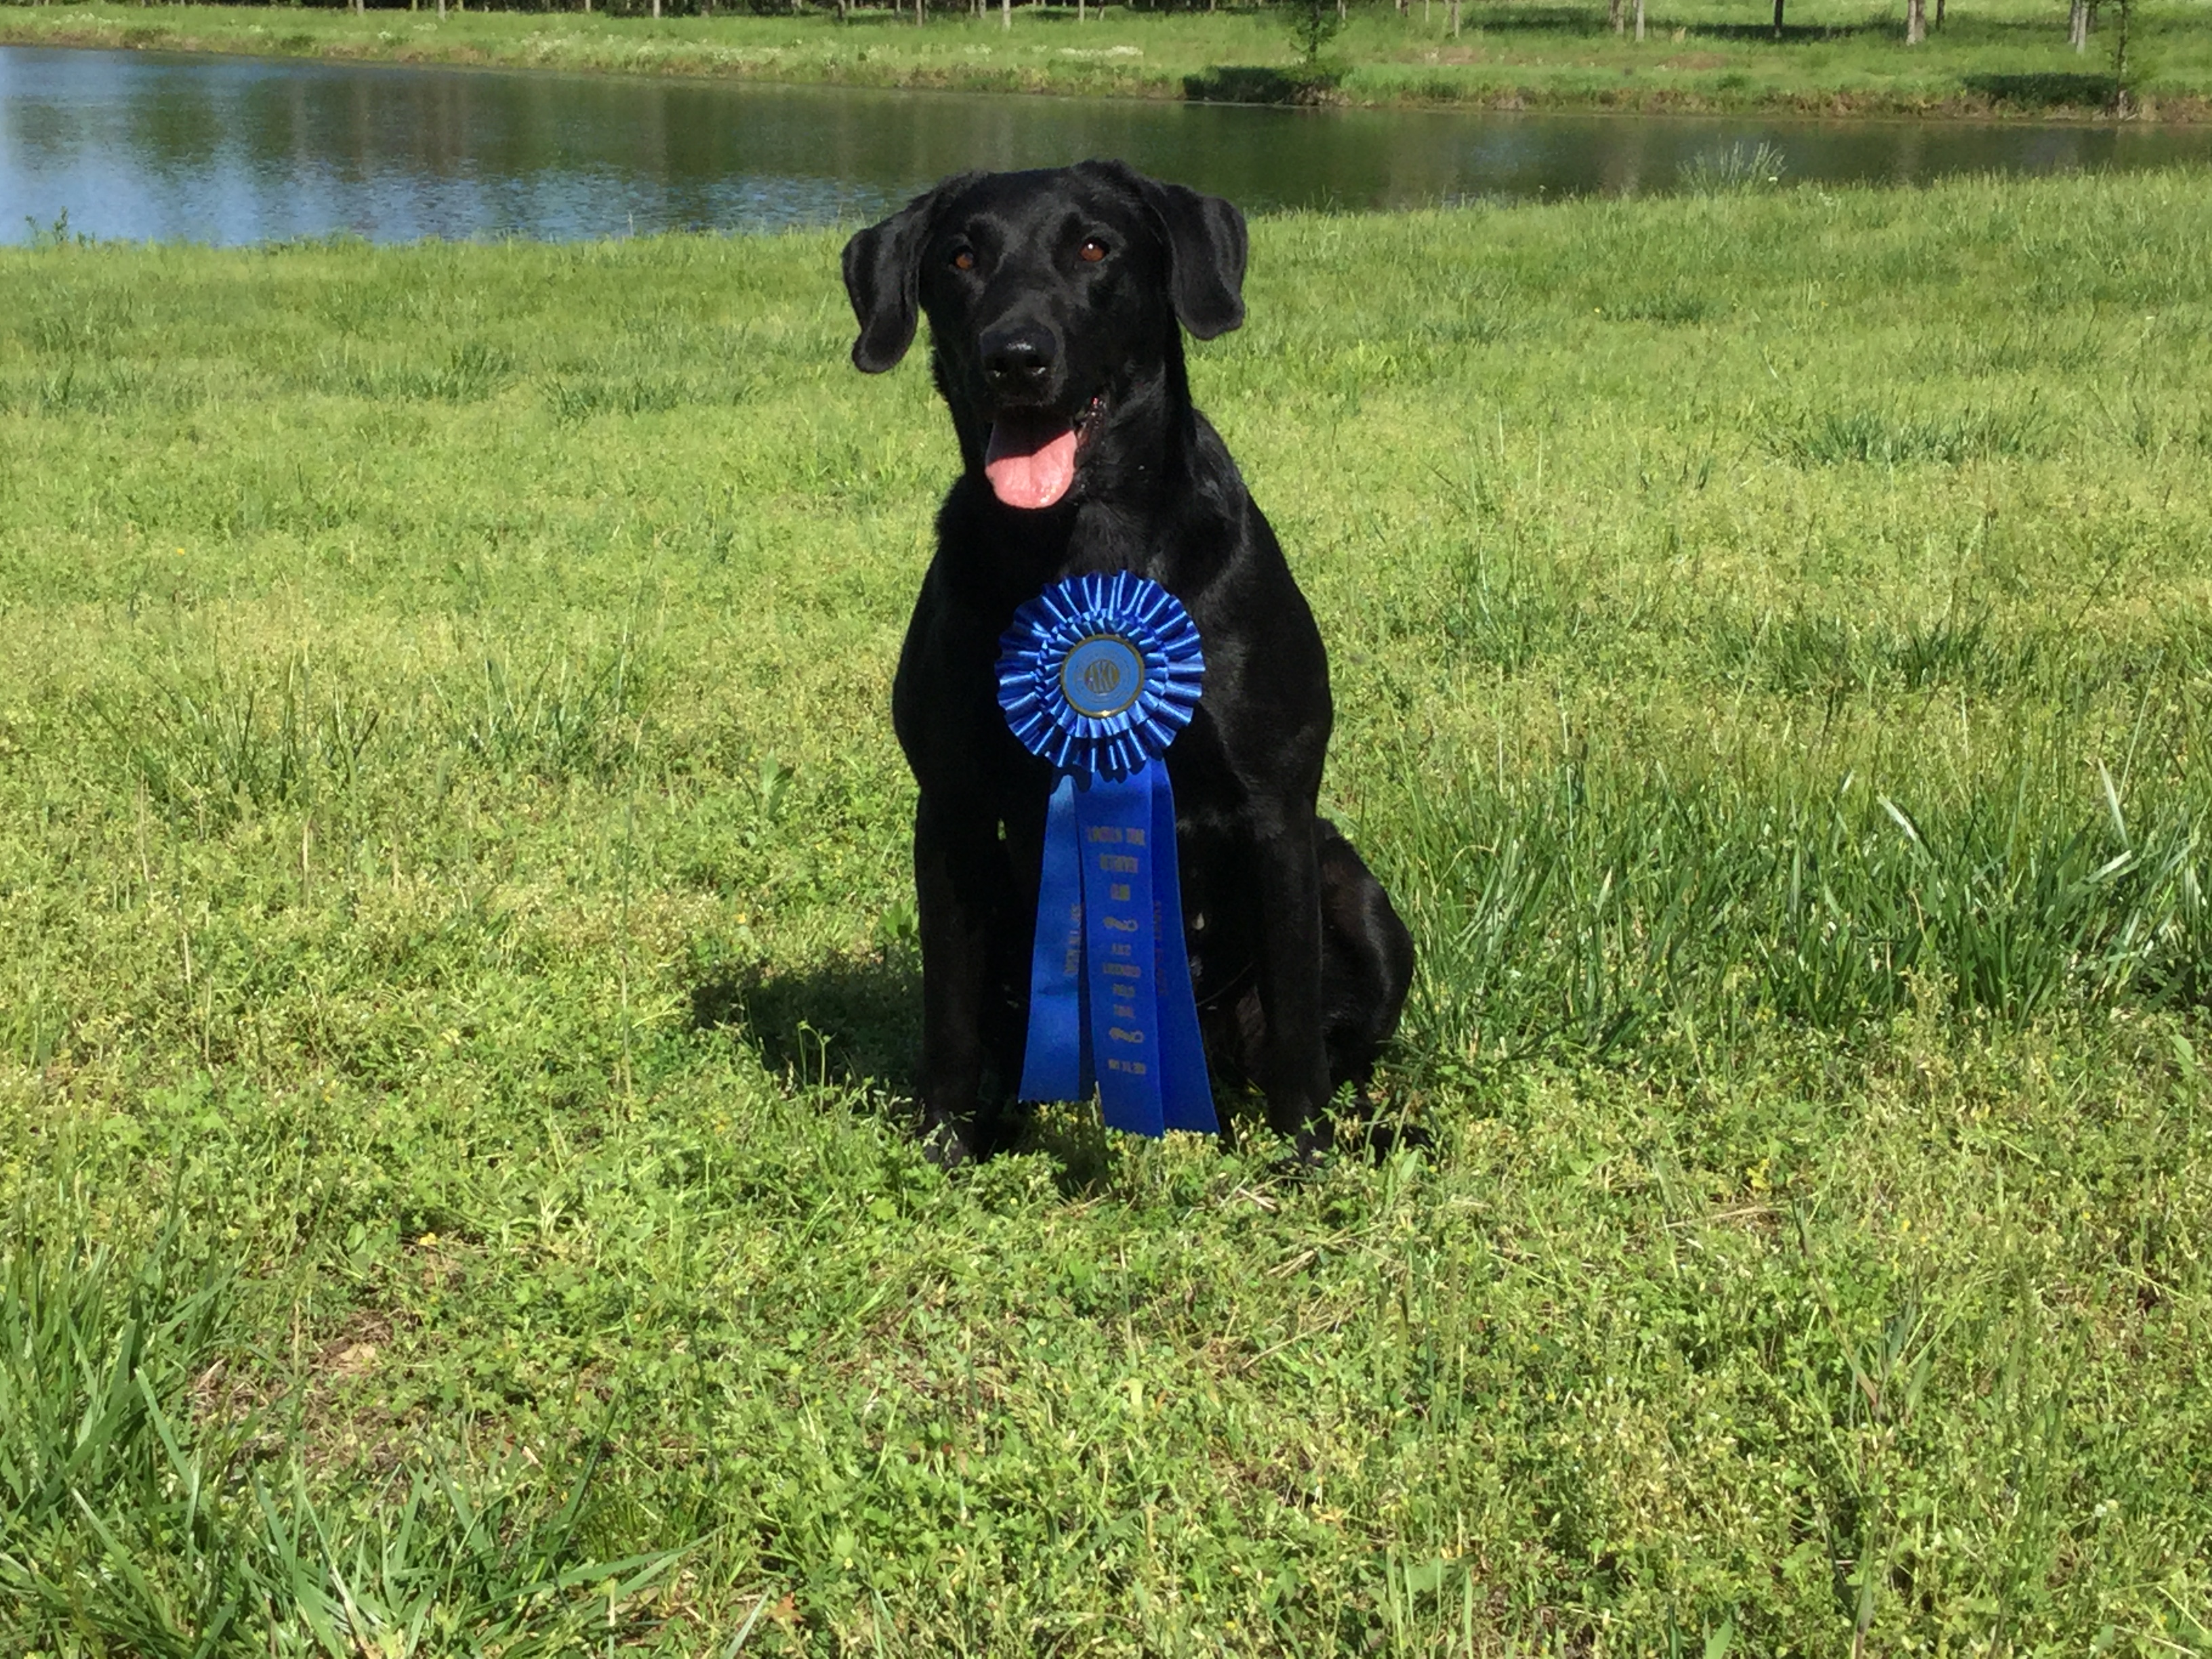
456,983
1838,57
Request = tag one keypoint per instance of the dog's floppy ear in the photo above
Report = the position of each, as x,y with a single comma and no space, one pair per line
1206,242
883,278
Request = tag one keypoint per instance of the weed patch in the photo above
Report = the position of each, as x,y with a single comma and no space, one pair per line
207,744
1884,437
559,718
138,1503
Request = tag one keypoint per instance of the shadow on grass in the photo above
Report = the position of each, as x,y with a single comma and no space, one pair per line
855,1023
850,1021
1792,34
1253,83
2051,89
1540,19
1591,21
901,17
1079,1147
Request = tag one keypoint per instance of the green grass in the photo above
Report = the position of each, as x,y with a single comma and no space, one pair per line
458,989
1840,56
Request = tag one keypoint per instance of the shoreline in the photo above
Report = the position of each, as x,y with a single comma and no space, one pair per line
877,52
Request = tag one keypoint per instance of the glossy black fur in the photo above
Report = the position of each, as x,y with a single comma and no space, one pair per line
1300,964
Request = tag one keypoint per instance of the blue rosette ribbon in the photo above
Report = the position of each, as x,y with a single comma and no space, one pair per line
1097,676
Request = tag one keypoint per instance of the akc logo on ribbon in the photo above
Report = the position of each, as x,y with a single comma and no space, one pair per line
1097,676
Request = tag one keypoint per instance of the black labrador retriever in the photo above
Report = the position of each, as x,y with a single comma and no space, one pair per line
1054,301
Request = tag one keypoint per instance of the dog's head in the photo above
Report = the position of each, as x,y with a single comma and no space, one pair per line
1053,299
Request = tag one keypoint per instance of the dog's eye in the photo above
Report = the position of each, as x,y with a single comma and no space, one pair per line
964,258
1091,251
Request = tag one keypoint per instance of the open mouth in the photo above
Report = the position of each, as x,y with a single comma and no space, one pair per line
1030,457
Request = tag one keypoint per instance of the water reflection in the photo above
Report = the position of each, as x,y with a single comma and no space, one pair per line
238,150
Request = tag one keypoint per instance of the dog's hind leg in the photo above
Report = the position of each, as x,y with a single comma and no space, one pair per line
1367,960
1293,1061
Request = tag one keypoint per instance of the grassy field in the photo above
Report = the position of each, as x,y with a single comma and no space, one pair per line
1840,56
458,987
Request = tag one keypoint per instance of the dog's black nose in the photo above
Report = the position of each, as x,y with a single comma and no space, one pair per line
1019,357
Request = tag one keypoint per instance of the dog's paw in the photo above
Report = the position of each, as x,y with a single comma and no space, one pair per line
1391,1136
1304,1153
949,1146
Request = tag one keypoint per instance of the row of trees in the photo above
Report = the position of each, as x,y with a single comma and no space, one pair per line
1622,15
2081,20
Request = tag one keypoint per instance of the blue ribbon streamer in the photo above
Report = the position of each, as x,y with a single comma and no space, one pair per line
1056,1061
1098,675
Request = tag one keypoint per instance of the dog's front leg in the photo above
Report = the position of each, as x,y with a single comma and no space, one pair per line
1294,1054
960,875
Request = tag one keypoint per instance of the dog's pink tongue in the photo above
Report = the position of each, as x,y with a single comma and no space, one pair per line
1030,464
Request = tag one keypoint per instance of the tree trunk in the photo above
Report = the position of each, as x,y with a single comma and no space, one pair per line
1639,19
2122,105
1777,19
1916,22
2077,26
1613,17
1455,17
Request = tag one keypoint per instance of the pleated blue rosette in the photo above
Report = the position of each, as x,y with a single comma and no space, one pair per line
1097,676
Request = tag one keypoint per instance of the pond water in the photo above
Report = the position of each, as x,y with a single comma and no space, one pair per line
230,149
